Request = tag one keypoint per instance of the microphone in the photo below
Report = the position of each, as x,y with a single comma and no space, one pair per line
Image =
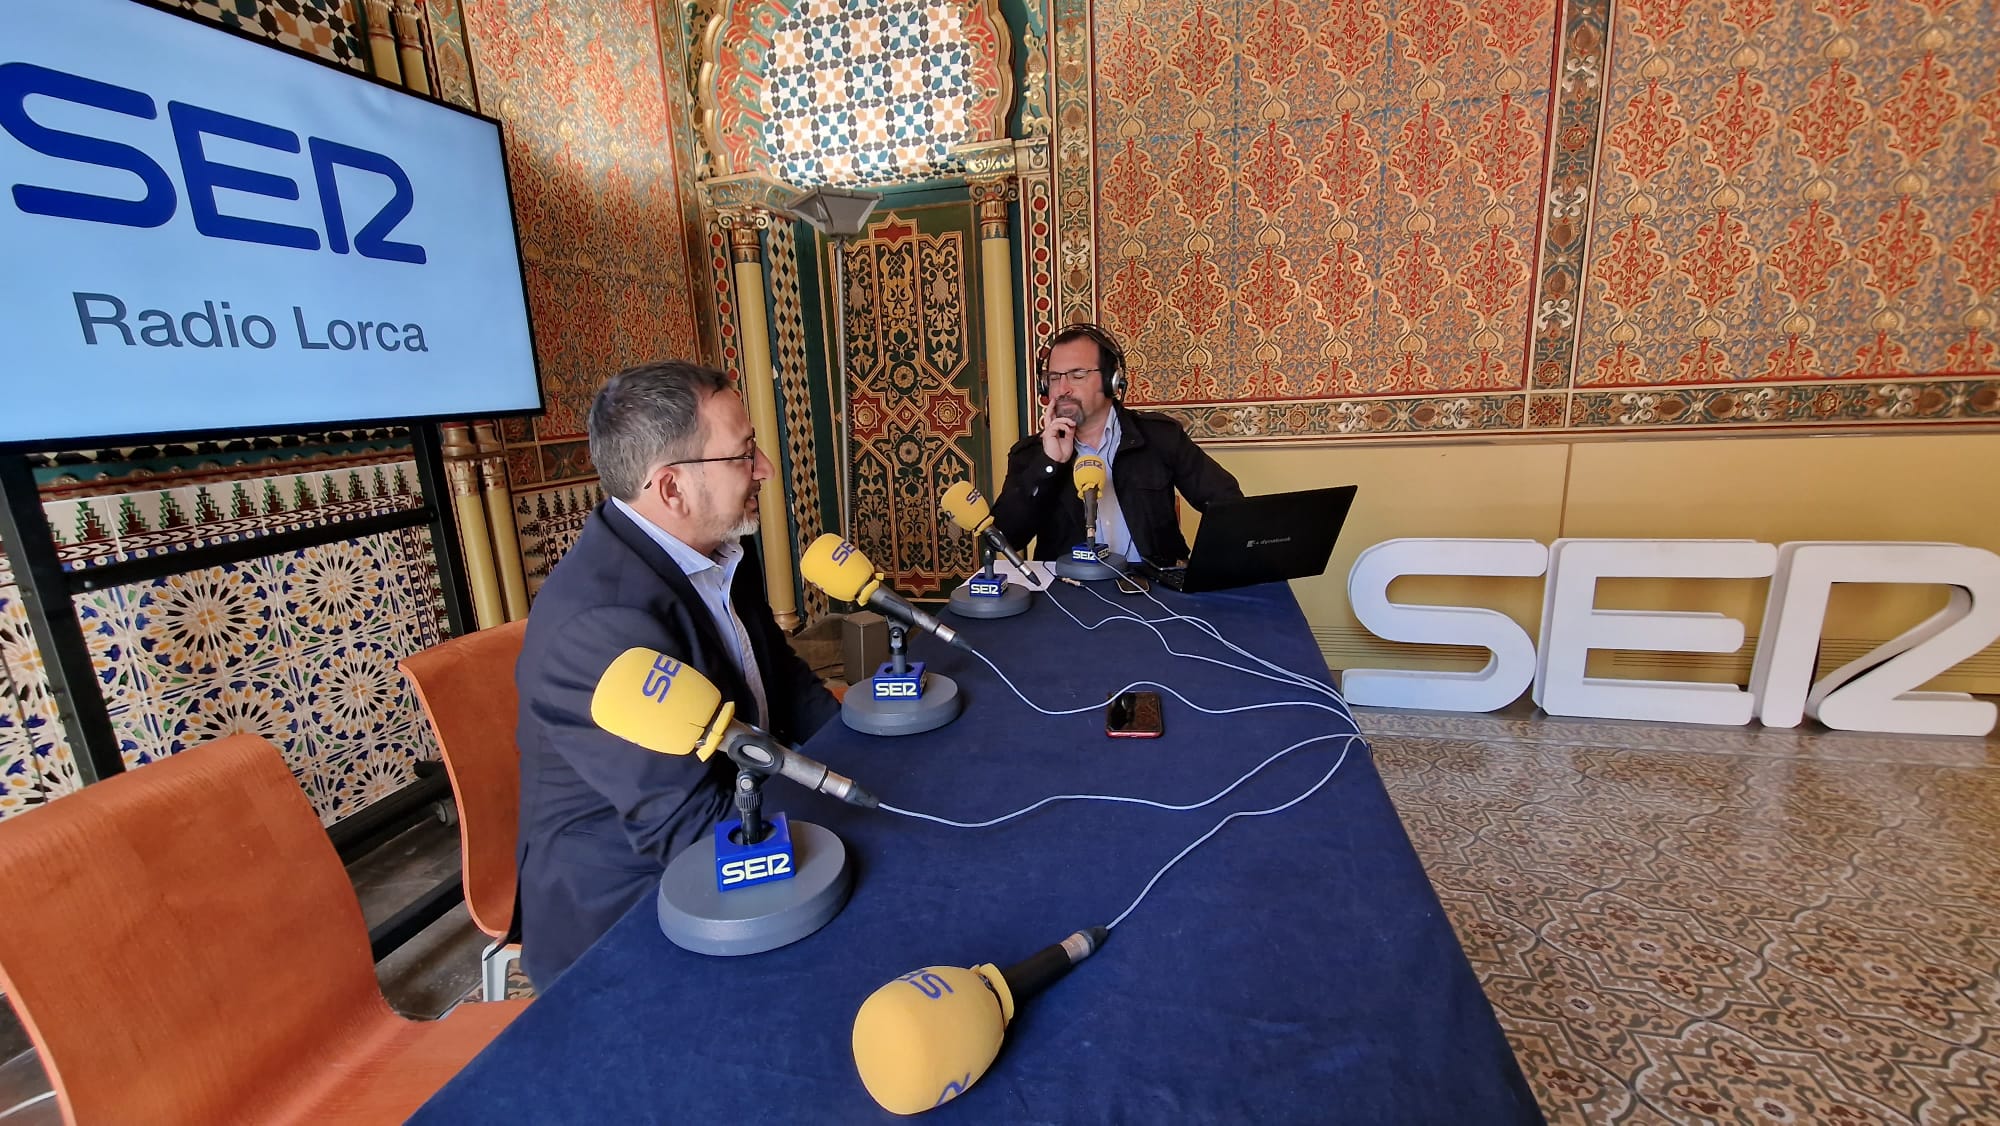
1089,476
969,510
923,1039
665,706
838,568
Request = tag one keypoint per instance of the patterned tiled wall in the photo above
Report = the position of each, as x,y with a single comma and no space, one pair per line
1380,217
300,647
599,200
823,92
325,27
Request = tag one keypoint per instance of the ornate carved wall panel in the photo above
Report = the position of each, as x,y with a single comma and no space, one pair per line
913,343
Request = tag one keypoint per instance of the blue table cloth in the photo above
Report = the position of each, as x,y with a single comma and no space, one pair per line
1296,968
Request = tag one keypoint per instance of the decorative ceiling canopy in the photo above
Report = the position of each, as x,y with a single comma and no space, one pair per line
812,92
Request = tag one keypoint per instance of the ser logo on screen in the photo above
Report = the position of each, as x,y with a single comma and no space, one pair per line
202,175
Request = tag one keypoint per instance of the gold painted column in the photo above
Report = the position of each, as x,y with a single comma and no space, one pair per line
500,515
760,393
410,46
996,259
382,56
461,463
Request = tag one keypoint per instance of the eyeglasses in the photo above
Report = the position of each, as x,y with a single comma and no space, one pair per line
1074,375
751,456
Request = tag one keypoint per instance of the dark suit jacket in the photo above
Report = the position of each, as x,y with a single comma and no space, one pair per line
1155,457
600,816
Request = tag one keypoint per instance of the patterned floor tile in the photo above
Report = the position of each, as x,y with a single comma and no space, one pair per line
1702,925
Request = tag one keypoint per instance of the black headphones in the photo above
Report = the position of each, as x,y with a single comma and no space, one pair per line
1111,359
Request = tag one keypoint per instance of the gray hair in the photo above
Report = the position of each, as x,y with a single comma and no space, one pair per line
645,414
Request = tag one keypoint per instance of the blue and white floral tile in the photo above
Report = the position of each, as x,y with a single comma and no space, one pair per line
20,779
353,691
327,592
336,789
116,654
262,703
197,626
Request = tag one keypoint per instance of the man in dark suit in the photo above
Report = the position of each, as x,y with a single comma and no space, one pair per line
659,565
1080,375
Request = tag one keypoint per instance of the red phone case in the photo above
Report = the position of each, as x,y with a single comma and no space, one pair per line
1147,724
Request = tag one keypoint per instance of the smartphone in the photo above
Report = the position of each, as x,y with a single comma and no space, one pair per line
1134,715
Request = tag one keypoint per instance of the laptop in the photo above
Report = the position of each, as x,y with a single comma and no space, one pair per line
1263,539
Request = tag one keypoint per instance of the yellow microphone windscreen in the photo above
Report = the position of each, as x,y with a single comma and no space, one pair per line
651,699
838,568
925,1037
1088,473
966,507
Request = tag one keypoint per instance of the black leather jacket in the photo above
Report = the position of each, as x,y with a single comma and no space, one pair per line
1155,457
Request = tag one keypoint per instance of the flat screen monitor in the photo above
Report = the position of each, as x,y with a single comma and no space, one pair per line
203,233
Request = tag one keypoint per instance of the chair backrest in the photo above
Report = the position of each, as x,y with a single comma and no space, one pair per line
180,940
466,687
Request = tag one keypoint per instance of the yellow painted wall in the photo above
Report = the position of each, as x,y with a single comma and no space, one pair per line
1865,487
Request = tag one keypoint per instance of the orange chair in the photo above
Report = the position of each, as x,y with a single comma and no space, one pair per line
466,687
183,945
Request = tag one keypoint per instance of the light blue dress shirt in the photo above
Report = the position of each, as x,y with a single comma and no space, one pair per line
712,578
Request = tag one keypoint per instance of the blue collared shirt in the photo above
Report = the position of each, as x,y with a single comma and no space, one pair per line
712,578
1111,528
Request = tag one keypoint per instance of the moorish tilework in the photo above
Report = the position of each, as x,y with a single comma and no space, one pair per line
298,647
548,521
328,28
914,356
793,380
1379,217
582,93
819,92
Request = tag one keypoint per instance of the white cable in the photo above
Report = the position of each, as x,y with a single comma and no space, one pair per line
1153,684
1199,841
1125,617
1123,799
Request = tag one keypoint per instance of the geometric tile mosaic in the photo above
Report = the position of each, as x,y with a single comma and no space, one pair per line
324,27
548,521
298,647
806,92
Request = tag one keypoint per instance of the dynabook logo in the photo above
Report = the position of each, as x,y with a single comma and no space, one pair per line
201,176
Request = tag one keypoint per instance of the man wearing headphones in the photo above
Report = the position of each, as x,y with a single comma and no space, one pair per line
1080,376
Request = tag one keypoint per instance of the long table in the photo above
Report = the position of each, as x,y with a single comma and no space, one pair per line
1296,968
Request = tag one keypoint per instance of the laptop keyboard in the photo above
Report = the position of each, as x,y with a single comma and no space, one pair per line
1170,577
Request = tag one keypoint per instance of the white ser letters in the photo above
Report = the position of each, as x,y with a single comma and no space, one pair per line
1873,693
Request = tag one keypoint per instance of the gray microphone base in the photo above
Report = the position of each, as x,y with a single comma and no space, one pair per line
1012,600
1110,566
695,916
939,705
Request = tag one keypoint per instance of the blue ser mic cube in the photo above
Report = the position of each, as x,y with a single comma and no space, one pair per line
986,586
888,684
747,865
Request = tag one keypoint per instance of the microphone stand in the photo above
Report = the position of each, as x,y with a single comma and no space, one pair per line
1013,598
902,698
766,909
1091,559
